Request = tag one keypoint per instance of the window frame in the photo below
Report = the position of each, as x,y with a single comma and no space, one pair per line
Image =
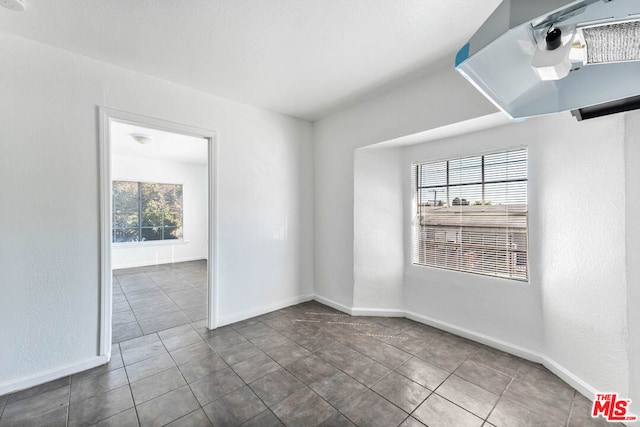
417,226
140,227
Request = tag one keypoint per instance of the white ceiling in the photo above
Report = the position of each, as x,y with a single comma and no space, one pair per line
163,145
303,58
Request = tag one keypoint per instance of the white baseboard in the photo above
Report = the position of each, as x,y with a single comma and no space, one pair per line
574,381
478,337
258,311
157,262
331,303
378,312
51,375
567,376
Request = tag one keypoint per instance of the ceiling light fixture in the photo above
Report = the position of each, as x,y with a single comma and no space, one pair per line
15,5
141,138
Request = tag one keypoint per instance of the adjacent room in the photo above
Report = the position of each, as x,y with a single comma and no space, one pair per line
319,213
160,215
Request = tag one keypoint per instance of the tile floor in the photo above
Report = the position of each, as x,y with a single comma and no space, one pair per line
305,365
151,299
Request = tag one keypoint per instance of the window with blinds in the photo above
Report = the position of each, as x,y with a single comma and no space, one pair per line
471,214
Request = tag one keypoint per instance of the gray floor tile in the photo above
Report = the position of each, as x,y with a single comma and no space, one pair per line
54,418
423,373
255,330
101,407
369,409
337,387
124,332
509,414
145,312
238,353
34,391
401,391
336,420
436,411
498,360
539,399
196,418
276,386
149,301
191,353
157,385
143,293
202,367
148,367
263,419
141,348
303,409
123,317
164,321
36,408
412,422
469,396
311,369
167,408
234,408
256,367
196,313
288,353
223,339
128,418
483,376
445,355
216,385
93,385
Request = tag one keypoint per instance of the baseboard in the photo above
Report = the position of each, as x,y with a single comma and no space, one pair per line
258,311
51,375
378,312
567,376
478,337
331,303
157,262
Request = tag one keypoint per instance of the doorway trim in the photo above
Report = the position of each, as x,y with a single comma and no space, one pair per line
106,117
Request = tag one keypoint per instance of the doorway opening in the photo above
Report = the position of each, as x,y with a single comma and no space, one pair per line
158,234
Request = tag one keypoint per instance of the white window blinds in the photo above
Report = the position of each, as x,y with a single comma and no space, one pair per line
471,214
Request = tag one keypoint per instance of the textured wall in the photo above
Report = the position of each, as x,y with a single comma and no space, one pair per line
49,252
437,100
632,161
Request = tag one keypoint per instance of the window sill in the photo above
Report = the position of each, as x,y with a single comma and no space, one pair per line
149,243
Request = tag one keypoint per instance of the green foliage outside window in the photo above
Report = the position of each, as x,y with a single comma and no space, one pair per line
144,211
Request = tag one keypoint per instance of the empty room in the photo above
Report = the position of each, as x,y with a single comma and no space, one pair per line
319,213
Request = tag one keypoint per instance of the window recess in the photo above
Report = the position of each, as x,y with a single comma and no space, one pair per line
471,214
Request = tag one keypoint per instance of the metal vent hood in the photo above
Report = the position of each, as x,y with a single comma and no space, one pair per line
540,57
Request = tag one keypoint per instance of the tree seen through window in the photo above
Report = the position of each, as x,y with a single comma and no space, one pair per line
145,211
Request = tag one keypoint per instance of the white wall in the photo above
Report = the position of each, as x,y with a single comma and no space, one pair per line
632,161
193,177
436,100
49,253
378,240
570,311
572,314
